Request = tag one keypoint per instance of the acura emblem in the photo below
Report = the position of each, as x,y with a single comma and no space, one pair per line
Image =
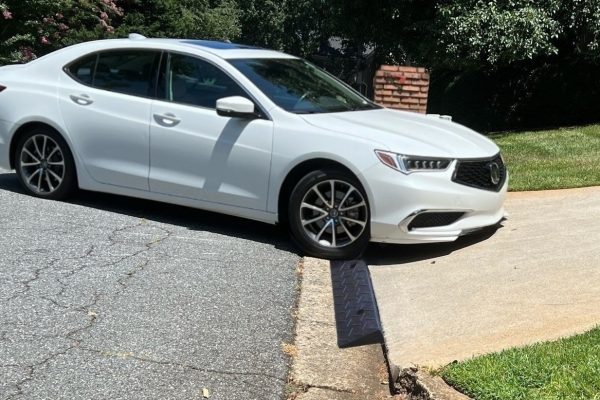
494,173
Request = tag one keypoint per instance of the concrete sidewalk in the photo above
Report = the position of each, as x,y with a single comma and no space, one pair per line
537,278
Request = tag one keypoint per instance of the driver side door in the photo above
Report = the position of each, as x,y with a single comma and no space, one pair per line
197,154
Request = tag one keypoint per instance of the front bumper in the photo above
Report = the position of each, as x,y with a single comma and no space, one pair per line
396,198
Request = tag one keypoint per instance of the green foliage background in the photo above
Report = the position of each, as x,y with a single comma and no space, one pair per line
495,63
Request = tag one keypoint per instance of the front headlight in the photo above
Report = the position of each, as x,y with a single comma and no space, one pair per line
409,164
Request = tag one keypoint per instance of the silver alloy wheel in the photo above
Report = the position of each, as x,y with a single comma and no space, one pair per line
334,213
42,164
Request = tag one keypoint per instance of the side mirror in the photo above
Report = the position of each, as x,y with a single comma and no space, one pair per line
236,107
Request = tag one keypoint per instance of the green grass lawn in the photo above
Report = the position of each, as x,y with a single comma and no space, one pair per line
554,159
565,369
568,368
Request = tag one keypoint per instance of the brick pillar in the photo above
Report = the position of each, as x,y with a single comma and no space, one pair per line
402,88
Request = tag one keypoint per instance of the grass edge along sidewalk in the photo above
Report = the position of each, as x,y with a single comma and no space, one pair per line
564,369
552,159
568,368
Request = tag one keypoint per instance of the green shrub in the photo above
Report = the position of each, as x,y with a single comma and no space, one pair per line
31,28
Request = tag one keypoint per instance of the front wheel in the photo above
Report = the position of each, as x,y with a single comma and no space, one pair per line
329,215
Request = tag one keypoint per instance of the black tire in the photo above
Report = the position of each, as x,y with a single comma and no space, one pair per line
61,189
307,238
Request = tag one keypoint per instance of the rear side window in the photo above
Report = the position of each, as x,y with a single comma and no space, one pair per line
82,70
130,72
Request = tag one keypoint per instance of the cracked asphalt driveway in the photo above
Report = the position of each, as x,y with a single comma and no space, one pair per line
107,297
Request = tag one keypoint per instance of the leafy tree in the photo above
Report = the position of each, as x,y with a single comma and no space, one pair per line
262,22
480,33
30,28
207,19
508,64
580,33
491,32
307,24
34,27
400,31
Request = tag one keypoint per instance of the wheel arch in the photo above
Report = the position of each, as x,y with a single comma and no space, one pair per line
26,127
301,170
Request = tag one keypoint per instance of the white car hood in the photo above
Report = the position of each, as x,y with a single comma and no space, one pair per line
408,133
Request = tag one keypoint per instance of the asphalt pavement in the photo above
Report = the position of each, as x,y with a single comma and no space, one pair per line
106,297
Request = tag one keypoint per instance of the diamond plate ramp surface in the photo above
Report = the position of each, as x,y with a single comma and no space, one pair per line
356,313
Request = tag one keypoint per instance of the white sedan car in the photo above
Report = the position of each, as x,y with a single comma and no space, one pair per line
248,132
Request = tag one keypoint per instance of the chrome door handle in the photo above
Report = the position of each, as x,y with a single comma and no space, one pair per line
82,100
168,120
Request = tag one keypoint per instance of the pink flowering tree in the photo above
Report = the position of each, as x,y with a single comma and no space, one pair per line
31,28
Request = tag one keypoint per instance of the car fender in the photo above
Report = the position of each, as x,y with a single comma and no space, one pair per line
82,175
278,178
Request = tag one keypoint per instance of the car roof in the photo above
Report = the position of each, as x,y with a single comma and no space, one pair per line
222,49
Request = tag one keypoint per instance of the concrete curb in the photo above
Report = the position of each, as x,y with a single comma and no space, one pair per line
320,369
417,384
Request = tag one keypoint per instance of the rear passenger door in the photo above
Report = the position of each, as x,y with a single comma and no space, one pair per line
106,99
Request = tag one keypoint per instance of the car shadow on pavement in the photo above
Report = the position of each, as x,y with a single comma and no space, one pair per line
390,254
190,218
200,220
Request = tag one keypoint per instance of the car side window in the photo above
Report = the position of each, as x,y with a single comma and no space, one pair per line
82,70
127,71
189,80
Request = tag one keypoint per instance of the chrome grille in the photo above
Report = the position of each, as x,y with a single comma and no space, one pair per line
479,173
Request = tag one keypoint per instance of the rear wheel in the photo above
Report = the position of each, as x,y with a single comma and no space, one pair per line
329,215
44,164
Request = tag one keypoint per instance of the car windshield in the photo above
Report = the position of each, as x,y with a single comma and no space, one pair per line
299,87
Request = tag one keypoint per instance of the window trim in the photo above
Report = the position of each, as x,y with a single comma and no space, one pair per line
67,70
262,113
160,53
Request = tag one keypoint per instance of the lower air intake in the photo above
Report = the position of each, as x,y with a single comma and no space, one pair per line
434,219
